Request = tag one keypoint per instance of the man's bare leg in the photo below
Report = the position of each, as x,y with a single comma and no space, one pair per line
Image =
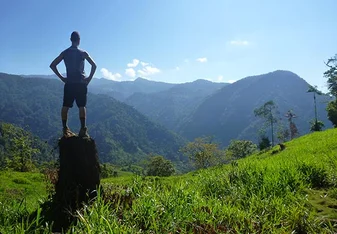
82,112
82,115
64,116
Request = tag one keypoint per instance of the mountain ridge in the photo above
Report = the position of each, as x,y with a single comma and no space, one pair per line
226,109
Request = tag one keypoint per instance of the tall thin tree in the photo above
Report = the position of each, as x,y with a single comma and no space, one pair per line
268,112
315,91
290,115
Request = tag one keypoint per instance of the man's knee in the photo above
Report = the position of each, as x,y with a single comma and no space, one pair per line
65,109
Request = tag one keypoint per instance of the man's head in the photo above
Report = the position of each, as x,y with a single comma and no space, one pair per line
75,38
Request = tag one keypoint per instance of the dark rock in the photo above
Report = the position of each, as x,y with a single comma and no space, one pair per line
78,179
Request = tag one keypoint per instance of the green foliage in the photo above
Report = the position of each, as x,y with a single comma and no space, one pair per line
159,166
332,112
19,149
314,89
264,143
268,112
123,135
292,126
240,149
202,153
331,74
135,169
108,170
282,133
316,125
262,193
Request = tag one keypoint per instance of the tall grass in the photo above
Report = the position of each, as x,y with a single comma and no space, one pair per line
264,193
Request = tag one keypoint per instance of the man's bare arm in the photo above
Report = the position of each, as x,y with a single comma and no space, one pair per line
93,67
54,64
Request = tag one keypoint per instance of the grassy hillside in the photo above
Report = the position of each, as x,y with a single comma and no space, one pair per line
289,191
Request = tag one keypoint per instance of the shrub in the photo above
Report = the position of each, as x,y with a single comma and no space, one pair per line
159,166
241,148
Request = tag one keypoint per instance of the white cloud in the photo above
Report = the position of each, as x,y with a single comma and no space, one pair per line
144,64
186,60
239,43
231,81
130,72
220,78
147,71
202,60
134,63
177,68
109,75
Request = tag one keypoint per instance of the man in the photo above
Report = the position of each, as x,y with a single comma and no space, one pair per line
76,82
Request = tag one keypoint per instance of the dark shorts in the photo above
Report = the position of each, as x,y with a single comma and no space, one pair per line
77,92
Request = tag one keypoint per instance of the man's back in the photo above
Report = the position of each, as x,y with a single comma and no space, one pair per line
74,62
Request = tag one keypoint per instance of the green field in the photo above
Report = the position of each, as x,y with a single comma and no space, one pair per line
289,191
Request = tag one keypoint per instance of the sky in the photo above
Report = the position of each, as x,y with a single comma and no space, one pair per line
173,41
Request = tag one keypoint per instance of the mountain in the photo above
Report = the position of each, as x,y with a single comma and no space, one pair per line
121,90
123,135
229,113
171,107
40,76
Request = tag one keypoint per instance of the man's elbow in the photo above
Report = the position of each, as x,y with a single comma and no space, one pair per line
52,66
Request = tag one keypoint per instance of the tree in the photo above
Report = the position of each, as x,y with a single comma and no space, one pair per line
332,112
315,91
240,148
316,125
202,153
22,152
292,126
331,74
282,133
18,148
268,112
159,166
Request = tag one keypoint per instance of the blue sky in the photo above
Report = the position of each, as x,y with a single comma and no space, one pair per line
170,40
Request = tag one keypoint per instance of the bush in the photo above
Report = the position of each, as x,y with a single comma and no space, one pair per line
240,148
159,166
264,143
108,170
316,126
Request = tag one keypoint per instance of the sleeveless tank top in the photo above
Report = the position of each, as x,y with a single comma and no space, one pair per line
74,61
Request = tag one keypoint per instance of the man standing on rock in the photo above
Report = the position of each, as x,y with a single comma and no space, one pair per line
76,82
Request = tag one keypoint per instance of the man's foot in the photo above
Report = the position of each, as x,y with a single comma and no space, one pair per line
67,132
84,132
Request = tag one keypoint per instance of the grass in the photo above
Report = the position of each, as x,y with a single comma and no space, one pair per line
292,191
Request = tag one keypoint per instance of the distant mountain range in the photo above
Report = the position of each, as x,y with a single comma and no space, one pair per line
121,90
229,113
123,135
171,107
224,111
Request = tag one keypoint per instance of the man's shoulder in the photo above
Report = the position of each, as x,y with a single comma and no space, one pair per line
82,50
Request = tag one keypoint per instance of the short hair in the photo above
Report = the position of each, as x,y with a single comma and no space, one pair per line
75,36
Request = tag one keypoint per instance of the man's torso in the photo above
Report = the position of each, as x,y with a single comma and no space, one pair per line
74,61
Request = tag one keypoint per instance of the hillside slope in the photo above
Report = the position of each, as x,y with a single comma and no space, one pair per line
123,135
171,107
229,113
289,191
121,90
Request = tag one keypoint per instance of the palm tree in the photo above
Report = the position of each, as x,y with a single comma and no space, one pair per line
313,89
292,127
